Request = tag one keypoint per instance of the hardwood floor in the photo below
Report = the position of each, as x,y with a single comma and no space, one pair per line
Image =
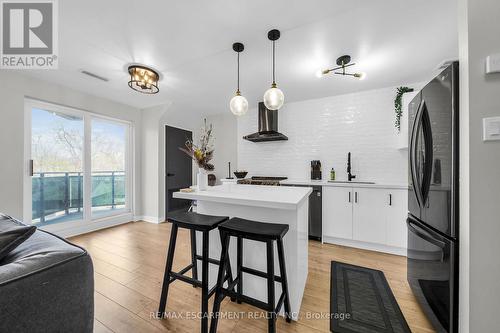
129,262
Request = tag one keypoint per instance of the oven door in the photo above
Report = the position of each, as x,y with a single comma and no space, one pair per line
432,274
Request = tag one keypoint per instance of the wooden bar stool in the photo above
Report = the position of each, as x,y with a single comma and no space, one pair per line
194,222
257,231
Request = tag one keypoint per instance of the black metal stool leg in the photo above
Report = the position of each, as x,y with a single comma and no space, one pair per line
204,283
193,255
284,280
219,296
270,288
239,265
168,270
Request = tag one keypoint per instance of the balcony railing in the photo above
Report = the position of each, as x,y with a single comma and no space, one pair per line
58,196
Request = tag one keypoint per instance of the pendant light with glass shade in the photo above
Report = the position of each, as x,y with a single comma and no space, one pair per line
273,97
238,104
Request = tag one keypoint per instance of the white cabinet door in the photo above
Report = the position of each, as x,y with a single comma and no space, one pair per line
397,211
369,215
337,212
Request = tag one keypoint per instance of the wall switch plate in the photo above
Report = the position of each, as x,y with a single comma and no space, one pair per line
491,129
493,64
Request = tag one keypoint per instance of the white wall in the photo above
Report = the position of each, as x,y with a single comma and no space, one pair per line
154,120
14,87
480,169
327,129
226,148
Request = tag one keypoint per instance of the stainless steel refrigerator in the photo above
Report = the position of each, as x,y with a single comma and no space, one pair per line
433,199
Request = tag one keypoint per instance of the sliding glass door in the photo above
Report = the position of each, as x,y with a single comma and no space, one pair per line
78,165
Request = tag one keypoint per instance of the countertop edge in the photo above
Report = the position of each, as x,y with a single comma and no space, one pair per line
326,183
242,202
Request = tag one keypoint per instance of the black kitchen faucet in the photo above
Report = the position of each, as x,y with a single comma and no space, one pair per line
349,175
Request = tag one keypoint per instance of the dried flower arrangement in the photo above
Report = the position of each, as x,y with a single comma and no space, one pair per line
203,153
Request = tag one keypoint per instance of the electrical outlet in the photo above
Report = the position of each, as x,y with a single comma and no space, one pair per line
493,64
491,129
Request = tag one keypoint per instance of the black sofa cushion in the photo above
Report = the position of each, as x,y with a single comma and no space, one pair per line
12,234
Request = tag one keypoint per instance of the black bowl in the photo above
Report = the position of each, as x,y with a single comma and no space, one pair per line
240,174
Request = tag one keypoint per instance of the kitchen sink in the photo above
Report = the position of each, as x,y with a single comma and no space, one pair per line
349,182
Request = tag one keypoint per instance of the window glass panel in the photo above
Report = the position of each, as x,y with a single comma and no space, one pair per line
57,153
108,150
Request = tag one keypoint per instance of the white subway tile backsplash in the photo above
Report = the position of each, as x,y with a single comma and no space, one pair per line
327,129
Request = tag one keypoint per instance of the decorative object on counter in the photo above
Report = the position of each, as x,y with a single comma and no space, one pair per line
229,171
240,174
332,174
202,154
316,170
398,104
186,190
143,79
274,97
211,179
343,62
238,104
378,303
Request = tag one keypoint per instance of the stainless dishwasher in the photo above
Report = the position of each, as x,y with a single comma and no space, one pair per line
315,211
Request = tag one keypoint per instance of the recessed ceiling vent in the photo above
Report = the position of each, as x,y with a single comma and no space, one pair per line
95,76
445,64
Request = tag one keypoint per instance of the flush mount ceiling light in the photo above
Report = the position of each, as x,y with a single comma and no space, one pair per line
143,79
238,104
273,97
342,62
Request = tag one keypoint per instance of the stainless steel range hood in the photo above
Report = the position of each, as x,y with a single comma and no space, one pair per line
268,127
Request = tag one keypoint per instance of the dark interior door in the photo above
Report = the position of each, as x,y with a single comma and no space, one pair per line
178,168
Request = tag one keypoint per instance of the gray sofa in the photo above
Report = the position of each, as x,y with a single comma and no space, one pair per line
46,285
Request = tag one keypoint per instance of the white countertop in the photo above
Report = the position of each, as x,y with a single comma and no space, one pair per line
251,195
310,182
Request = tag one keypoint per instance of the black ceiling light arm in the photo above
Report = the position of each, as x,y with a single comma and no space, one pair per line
343,62
238,48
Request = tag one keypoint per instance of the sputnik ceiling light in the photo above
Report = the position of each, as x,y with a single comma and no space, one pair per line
238,104
273,97
342,62
143,79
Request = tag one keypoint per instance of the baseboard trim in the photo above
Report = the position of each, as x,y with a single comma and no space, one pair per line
365,245
150,219
85,228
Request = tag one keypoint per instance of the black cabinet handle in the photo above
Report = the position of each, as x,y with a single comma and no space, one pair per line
349,196
356,197
170,174
390,199
31,168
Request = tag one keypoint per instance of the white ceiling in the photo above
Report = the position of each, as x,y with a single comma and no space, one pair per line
190,42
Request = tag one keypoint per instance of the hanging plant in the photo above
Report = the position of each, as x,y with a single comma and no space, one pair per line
398,104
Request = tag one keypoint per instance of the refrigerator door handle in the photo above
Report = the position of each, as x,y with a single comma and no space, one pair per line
426,236
429,153
413,155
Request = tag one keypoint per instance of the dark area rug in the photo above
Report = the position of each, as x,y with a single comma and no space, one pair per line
361,301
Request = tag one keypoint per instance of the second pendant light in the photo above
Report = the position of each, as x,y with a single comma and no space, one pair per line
238,104
274,97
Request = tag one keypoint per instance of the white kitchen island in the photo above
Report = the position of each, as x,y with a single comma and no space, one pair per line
272,204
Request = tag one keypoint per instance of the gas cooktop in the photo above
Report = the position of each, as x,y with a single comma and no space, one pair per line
261,180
